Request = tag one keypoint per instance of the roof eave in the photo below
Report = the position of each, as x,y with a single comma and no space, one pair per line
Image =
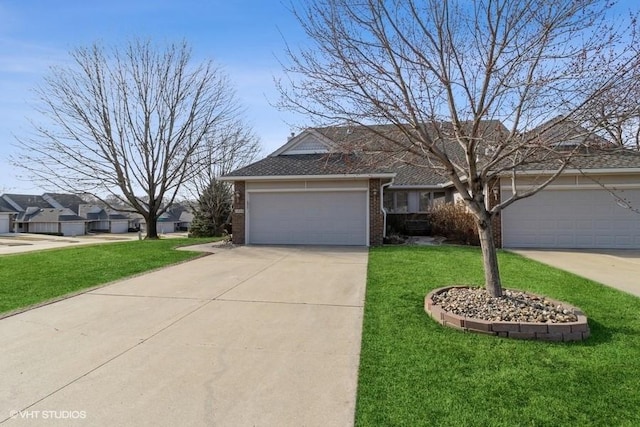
575,171
307,177
420,186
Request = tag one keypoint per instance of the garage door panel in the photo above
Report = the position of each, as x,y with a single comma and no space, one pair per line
572,219
72,229
4,224
308,218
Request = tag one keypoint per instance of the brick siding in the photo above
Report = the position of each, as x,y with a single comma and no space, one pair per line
237,217
376,217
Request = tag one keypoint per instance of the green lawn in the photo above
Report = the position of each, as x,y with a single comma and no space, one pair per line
415,372
30,278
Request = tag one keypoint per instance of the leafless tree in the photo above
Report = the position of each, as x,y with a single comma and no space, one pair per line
443,71
616,115
227,147
127,122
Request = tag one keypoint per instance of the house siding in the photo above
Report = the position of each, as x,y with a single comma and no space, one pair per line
44,227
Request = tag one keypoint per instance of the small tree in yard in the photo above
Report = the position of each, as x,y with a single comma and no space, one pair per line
127,124
228,147
443,72
212,211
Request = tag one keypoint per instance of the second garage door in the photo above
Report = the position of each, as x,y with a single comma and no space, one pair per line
589,219
4,224
308,218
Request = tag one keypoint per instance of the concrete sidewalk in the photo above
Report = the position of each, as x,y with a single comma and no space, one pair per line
618,269
248,336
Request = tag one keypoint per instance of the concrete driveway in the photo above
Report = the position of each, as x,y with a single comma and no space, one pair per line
250,336
619,269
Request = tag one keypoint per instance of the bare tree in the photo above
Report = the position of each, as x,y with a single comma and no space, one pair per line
227,147
443,72
127,122
616,115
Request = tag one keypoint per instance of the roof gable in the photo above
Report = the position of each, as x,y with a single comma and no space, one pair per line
308,142
565,134
6,206
23,201
33,215
63,200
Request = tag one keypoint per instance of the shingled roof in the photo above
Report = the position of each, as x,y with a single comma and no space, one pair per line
601,159
50,215
25,201
384,149
308,164
6,207
69,201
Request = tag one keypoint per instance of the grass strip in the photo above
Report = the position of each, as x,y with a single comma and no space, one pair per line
415,372
35,277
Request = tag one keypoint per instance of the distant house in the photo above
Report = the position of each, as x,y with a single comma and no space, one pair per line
97,217
118,222
100,219
53,213
51,221
176,218
70,215
185,220
7,216
45,214
136,222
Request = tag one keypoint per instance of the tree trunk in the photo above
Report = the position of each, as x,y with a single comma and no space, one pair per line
489,257
152,227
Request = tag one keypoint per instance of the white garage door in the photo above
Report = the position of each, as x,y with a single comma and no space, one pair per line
4,224
572,219
307,218
72,228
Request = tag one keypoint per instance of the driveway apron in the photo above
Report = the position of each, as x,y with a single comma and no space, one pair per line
618,269
248,336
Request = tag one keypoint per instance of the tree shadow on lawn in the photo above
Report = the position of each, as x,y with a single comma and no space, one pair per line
602,334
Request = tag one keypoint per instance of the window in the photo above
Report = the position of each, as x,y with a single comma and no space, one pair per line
402,202
429,200
439,198
425,201
396,201
387,201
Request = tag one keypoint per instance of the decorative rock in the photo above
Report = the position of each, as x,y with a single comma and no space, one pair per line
512,306
515,314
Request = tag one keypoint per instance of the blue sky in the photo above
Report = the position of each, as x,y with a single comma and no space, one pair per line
245,37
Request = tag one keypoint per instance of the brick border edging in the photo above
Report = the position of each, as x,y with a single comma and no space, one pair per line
569,331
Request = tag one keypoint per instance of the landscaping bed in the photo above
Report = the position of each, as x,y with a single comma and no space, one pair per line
515,314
